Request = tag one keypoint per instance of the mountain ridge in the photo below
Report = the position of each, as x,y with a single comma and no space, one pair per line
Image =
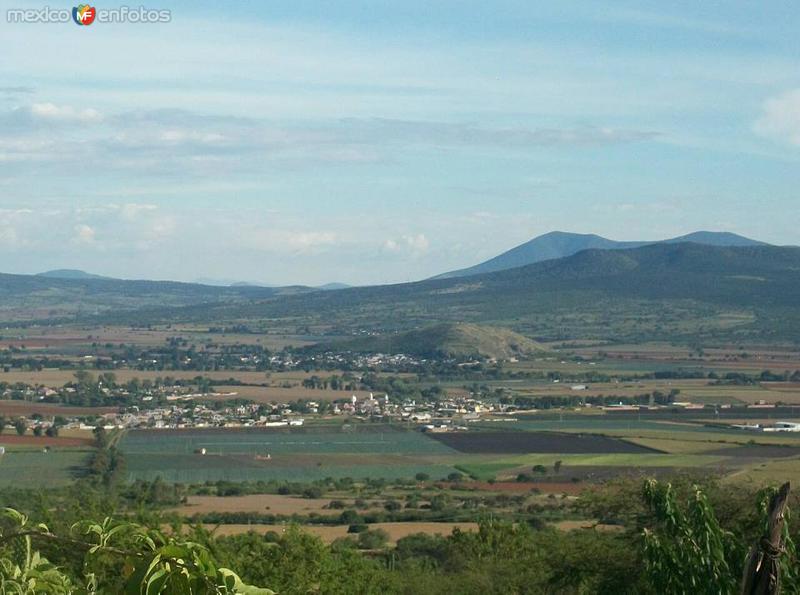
560,244
75,274
654,292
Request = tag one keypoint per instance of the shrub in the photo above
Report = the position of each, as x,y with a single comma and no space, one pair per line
373,539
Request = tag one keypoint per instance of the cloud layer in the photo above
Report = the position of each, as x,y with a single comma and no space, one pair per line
285,145
780,118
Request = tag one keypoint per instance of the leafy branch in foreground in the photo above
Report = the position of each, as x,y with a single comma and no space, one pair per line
140,560
688,551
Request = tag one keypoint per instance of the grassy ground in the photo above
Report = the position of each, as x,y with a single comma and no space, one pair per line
765,473
680,446
187,469
362,440
28,468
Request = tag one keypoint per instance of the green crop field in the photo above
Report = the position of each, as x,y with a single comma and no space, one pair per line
311,440
389,452
302,454
197,469
34,468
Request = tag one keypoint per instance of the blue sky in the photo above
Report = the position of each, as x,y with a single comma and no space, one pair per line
374,142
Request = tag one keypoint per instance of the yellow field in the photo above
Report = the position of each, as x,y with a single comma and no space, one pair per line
329,533
264,503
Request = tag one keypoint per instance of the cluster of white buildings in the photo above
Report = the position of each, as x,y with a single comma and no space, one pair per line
198,416
465,408
778,426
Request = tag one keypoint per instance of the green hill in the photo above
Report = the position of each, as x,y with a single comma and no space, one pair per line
455,339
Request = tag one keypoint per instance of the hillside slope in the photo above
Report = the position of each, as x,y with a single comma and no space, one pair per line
559,244
453,339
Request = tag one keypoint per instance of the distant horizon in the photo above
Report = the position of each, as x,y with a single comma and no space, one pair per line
226,282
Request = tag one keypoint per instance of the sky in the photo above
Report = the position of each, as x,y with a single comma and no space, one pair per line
376,142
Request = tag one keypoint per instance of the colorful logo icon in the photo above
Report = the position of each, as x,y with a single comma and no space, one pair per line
83,14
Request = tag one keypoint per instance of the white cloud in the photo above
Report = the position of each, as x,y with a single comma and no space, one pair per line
780,118
261,236
8,235
414,245
132,210
179,142
464,134
84,234
50,111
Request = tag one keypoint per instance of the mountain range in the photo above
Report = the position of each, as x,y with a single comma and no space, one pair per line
662,290
76,274
559,244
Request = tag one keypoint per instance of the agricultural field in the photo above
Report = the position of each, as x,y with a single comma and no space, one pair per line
328,534
539,458
272,503
27,408
588,449
71,338
618,359
539,442
303,454
26,466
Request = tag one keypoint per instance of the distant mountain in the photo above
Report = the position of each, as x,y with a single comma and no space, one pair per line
231,283
246,284
67,294
70,274
681,291
559,244
215,282
665,291
449,339
715,238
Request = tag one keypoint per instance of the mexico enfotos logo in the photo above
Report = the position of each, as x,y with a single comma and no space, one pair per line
85,15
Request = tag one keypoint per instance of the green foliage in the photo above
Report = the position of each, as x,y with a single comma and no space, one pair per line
372,539
695,541
120,557
789,570
24,570
688,549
